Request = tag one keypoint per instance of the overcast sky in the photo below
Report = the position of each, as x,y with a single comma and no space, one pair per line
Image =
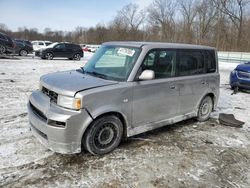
60,14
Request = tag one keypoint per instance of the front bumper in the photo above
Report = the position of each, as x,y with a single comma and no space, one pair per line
66,140
236,81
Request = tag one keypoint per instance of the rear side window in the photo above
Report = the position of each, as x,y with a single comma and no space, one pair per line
210,61
190,63
41,43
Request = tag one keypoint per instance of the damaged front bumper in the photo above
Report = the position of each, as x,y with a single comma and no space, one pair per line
57,128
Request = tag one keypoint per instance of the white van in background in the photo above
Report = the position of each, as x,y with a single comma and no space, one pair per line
38,44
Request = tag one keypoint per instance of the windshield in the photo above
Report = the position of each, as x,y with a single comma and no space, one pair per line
48,43
112,62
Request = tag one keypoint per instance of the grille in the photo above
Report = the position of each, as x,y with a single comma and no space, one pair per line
242,74
51,94
38,112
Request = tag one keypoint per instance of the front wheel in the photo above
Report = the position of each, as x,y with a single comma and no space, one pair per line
77,57
49,56
104,135
205,109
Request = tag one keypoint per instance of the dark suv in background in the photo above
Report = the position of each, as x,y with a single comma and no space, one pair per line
6,44
23,47
67,50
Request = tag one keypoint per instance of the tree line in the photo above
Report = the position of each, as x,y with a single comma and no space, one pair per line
224,24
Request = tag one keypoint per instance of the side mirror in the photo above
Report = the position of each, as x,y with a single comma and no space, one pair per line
147,75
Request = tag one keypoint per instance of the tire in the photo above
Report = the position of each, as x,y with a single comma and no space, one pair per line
205,109
104,135
2,49
23,53
77,57
49,56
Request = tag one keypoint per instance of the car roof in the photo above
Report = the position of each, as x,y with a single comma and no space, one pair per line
159,45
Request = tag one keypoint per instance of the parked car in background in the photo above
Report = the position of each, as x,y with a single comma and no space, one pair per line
91,48
6,44
125,89
82,46
240,76
23,47
63,49
38,44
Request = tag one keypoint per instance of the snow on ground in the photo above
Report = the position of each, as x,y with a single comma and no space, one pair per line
187,154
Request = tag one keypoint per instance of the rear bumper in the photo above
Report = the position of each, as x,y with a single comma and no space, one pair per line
67,139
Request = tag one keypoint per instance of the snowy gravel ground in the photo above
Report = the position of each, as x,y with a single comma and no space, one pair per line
187,154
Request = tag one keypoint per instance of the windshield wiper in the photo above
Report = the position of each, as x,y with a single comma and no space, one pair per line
83,71
97,74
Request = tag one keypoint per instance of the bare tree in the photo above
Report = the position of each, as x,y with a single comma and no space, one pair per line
161,14
131,18
235,10
188,10
207,16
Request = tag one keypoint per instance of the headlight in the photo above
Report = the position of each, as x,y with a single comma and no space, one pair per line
233,72
69,102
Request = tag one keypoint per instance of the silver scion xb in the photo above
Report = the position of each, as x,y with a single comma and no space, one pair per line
125,89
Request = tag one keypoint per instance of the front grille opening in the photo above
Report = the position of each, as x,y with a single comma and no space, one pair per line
39,132
38,112
51,94
57,124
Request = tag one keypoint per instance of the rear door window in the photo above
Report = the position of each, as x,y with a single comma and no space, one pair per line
190,63
210,61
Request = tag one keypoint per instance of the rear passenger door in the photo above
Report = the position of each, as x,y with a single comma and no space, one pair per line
192,79
156,100
70,49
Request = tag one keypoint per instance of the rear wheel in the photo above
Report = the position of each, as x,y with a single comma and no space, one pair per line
2,49
23,53
205,109
104,135
77,57
49,56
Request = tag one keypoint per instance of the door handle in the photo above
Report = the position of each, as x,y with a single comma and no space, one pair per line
172,87
203,82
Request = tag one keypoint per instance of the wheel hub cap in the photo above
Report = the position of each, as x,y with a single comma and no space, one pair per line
106,135
205,109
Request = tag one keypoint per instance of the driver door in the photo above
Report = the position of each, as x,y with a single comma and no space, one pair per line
59,50
156,100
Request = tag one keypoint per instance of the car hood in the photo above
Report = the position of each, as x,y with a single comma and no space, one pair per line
70,82
243,67
45,48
